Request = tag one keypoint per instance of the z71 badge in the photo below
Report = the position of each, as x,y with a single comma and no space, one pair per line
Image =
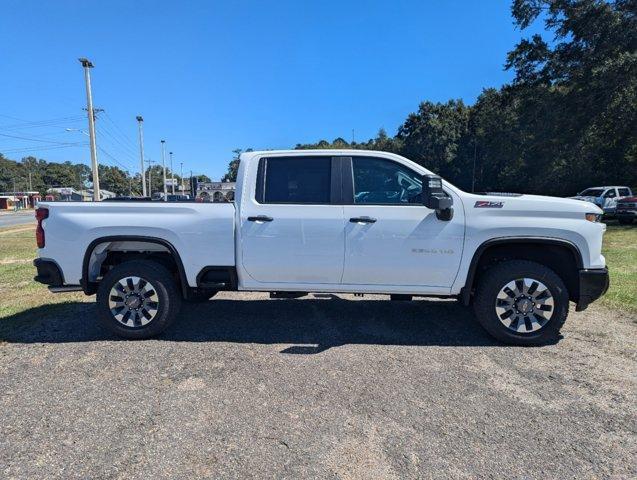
486,204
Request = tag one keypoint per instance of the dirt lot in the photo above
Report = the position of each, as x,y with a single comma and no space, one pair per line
324,387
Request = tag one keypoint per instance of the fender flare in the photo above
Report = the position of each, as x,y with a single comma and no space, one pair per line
465,292
89,288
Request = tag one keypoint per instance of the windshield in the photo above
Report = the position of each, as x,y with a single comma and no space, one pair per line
592,192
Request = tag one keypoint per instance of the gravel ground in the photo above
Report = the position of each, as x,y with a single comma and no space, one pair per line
324,387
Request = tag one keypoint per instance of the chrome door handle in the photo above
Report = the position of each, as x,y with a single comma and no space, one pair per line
260,218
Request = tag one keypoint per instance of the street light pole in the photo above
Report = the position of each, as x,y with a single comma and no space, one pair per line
181,174
150,173
140,120
86,63
172,173
163,166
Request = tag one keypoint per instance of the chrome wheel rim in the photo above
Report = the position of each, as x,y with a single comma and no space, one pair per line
133,302
524,305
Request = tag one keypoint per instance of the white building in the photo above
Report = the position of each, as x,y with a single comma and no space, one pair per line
216,191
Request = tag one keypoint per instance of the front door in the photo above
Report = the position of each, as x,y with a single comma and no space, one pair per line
390,237
292,231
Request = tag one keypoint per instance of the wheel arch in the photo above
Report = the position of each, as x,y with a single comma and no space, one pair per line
514,248
89,286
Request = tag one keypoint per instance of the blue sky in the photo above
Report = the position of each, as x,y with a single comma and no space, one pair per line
212,76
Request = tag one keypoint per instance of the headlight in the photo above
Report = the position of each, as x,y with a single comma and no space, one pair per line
594,217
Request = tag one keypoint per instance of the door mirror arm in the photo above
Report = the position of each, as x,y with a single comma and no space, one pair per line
435,198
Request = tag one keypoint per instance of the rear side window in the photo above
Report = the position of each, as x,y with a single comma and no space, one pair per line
299,180
624,192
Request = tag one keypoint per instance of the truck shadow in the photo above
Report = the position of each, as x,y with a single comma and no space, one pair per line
306,326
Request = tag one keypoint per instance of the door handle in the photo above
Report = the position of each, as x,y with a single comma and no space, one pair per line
362,220
260,218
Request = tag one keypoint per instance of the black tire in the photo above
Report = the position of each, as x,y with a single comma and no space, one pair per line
625,221
200,296
496,278
164,289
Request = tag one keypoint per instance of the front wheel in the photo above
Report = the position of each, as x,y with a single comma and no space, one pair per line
138,299
521,303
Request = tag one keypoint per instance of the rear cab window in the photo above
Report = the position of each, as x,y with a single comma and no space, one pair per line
294,180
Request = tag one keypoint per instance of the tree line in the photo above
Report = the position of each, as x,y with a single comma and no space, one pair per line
35,174
567,121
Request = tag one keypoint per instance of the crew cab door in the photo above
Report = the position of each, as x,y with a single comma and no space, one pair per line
292,229
390,237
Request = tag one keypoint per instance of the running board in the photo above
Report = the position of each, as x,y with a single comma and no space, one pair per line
65,289
287,294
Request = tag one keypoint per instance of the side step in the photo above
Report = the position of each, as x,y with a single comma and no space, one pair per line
287,294
66,288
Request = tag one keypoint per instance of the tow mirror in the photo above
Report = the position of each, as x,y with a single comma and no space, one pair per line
434,197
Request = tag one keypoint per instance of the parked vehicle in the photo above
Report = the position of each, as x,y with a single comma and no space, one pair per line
331,221
626,210
604,197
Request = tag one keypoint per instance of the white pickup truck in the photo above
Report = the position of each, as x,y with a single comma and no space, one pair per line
342,221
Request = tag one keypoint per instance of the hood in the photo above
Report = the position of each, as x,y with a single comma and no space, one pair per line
531,204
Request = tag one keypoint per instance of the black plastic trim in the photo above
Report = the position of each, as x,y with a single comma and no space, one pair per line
49,272
593,283
228,278
90,288
465,293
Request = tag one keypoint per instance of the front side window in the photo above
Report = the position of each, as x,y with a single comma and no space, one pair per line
610,193
383,182
299,180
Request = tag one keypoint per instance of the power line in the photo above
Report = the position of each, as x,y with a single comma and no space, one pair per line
124,135
41,123
31,139
37,149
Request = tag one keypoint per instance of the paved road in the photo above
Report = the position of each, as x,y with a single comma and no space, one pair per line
244,387
18,218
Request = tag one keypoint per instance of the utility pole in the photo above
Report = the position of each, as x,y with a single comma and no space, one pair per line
352,135
172,173
140,120
163,166
86,63
130,184
181,174
30,183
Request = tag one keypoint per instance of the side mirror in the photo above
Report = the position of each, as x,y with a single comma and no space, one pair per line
434,197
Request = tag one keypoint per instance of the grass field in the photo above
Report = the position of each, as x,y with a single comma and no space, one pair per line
18,291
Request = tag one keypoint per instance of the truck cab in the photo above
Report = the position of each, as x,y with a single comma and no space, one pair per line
339,221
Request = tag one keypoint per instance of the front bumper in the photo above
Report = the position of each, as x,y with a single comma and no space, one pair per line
626,213
593,283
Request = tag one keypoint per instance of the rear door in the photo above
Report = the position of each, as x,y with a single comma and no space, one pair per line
292,227
390,237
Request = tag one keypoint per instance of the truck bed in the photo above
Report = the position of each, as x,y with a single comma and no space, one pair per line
201,233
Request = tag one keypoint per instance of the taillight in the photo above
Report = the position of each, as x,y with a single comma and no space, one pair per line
40,214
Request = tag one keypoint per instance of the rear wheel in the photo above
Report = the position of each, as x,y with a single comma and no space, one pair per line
138,299
521,303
